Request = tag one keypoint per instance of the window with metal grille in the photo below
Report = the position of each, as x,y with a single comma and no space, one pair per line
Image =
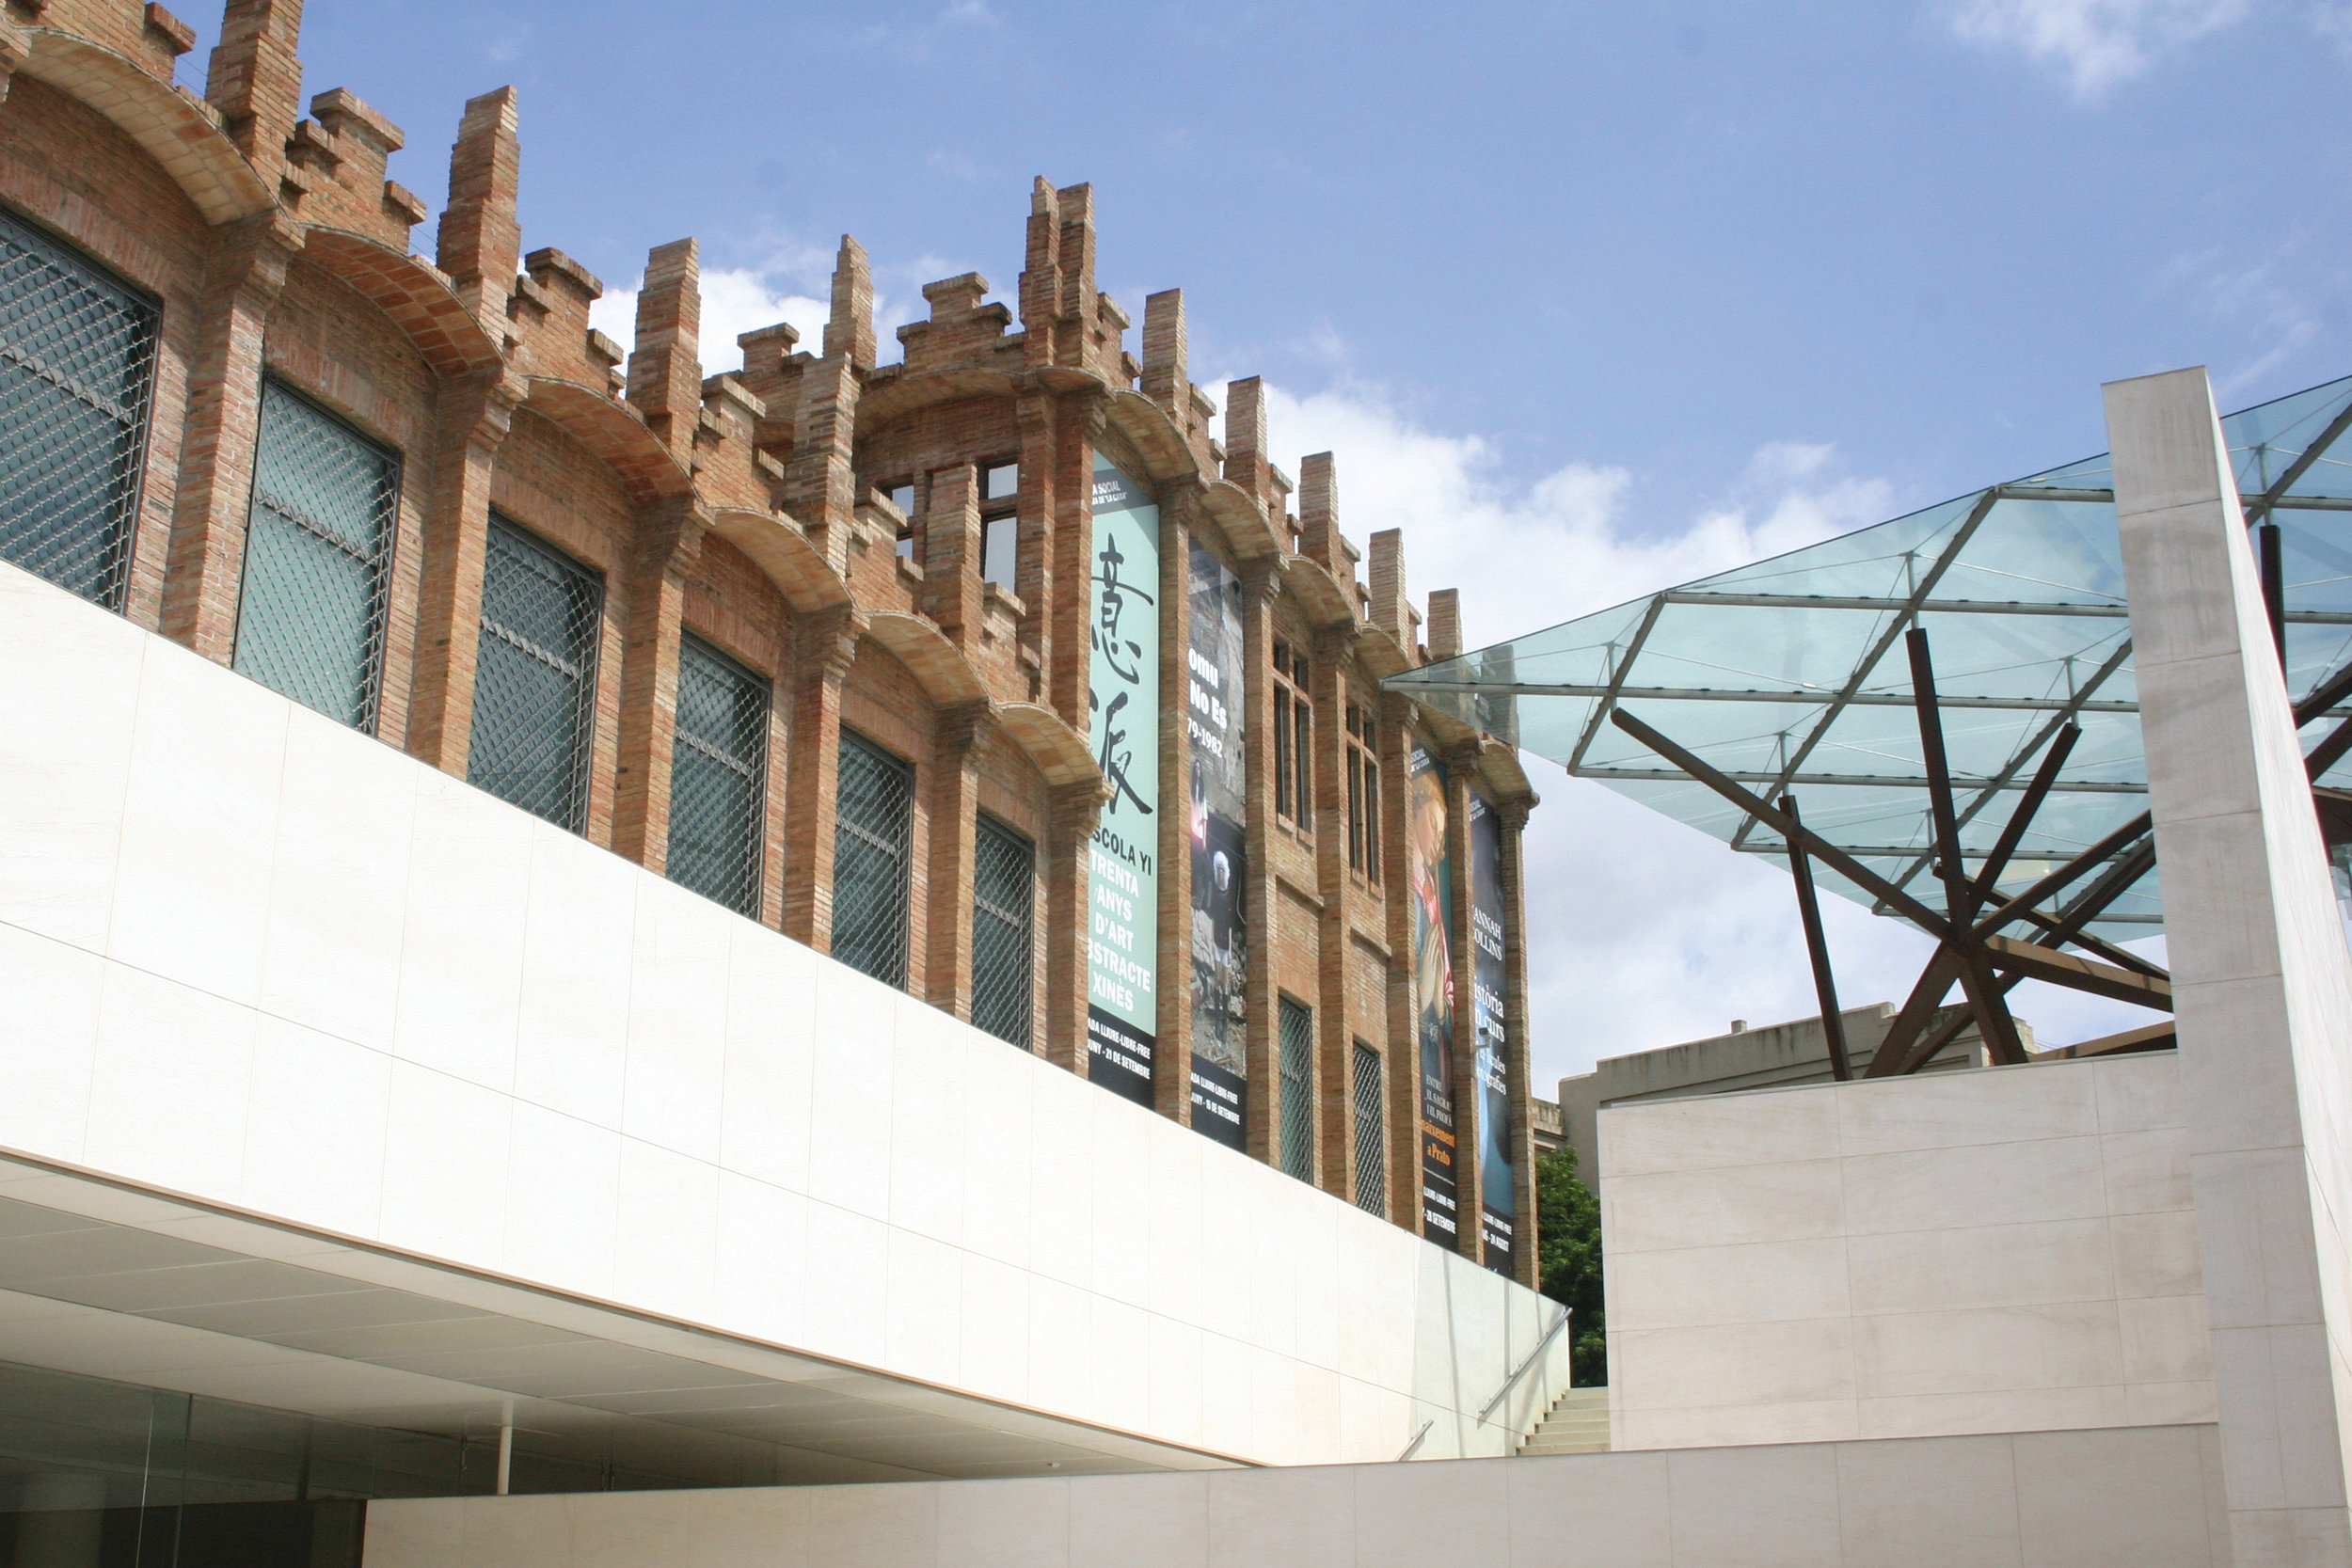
1299,1099
534,685
1372,1185
1004,876
318,551
1363,795
873,826
77,363
718,778
1293,733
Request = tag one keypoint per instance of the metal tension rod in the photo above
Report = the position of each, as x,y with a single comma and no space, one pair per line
1918,1008
1822,849
1976,973
1816,947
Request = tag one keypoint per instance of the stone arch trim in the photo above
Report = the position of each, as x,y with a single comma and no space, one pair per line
179,132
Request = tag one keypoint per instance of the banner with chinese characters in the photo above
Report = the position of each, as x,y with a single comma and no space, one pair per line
1497,1202
1123,879
1430,872
1214,711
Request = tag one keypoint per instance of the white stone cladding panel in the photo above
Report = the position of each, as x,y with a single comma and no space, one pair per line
257,960
2005,1250
2147,1497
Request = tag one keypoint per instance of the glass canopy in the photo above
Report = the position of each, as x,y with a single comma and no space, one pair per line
1791,677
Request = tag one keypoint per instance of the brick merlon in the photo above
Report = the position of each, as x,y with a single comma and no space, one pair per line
343,111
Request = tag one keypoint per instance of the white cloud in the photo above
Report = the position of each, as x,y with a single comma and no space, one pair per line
735,300
1644,933
2094,43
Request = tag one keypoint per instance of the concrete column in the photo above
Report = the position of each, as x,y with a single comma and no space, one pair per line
2261,980
206,560
954,812
668,541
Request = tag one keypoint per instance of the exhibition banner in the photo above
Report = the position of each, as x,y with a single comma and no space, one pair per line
1214,711
1430,871
1498,1203
1124,694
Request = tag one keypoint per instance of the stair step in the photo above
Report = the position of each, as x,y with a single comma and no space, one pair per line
1578,1422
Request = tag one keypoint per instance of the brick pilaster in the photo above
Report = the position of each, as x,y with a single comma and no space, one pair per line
255,80
1394,751
1526,1235
471,424
1335,1032
1171,1067
1319,515
665,375
1166,353
828,646
954,806
950,535
1072,814
1245,461
1384,583
821,481
206,558
669,539
480,241
1038,414
1261,1125
1461,763
1081,419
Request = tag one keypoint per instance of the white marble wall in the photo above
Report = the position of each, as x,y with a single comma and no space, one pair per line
2005,1250
253,957
2139,1497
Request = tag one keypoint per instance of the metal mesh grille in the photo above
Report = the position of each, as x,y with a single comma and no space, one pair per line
77,357
718,778
1372,1185
873,818
311,620
1299,1118
1002,960
534,685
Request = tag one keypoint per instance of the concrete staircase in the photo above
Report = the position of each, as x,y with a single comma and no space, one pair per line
1578,1424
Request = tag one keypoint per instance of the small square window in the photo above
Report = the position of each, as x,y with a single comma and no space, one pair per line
1000,481
902,497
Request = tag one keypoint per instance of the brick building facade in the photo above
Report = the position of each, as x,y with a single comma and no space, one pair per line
825,638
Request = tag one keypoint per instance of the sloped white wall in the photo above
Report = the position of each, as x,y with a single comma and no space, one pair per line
256,958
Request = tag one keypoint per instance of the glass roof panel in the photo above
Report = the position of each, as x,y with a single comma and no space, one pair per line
1791,674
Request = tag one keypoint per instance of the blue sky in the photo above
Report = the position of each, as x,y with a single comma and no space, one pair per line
1593,298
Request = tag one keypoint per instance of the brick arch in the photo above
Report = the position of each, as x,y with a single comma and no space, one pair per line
615,434
178,133
937,664
1056,751
1153,435
785,556
1243,520
418,299
1318,592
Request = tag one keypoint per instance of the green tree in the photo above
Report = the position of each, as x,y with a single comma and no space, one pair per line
1568,1220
